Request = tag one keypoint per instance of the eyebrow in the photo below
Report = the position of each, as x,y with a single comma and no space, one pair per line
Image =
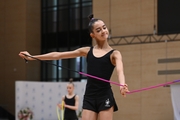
99,27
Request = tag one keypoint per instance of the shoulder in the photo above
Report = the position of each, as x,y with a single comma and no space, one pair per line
116,57
116,54
63,97
83,50
76,97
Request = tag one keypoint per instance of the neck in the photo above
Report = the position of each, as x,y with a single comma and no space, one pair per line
102,45
70,94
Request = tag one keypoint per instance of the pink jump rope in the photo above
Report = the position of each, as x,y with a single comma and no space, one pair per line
108,81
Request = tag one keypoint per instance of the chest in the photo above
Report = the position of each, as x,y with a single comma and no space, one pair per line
70,101
99,53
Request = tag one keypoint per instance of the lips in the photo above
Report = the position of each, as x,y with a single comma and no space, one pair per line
104,35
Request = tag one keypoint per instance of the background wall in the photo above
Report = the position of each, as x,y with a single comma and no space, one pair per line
19,31
127,17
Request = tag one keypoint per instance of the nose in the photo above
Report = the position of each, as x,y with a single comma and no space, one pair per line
103,30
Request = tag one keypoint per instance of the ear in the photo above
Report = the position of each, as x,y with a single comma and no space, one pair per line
92,35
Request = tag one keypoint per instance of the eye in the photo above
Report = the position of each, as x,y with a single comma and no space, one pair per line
98,30
104,27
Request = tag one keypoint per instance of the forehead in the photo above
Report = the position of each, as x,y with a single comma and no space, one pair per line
69,85
98,24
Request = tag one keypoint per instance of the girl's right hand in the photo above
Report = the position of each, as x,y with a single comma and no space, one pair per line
23,55
60,106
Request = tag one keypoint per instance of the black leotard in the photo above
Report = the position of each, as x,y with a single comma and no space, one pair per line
68,113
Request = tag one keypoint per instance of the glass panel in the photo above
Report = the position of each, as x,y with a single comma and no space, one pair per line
63,73
87,4
60,69
69,19
52,19
83,80
63,2
84,65
86,11
74,1
43,70
63,18
63,39
51,3
44,3
86,0
74,17
44,22
51,71
75,65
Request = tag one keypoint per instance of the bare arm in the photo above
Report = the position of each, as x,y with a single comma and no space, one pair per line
76,104
120,72
60,105
119,66
57,55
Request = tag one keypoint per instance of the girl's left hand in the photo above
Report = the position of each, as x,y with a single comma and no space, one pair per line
124,90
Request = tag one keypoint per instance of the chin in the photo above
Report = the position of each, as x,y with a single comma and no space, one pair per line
105,38
102,40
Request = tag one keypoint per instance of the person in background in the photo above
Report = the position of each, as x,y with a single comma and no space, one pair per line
71,102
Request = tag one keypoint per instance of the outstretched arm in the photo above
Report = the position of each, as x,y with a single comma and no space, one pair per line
57,55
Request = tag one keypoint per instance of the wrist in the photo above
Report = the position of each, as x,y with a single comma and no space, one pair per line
121,88
124,86
65,106
29,58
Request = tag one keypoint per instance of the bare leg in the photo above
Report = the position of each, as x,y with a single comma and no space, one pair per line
89,115
106,114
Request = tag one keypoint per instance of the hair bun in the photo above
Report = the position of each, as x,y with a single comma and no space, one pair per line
91,16
71,80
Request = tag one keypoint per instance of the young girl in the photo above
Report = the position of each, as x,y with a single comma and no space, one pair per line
71,102
101,60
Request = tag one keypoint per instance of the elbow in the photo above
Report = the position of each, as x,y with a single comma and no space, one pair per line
55,56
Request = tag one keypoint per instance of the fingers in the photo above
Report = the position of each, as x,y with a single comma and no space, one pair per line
124,90
60,106
21,54
24,55
123,93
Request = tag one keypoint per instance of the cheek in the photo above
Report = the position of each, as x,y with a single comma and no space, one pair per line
70,89
97,35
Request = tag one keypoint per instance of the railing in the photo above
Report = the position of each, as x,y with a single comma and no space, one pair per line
142,39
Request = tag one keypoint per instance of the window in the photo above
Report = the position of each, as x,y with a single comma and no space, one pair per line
64,28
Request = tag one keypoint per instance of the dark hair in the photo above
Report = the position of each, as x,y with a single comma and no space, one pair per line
92,20
71,81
